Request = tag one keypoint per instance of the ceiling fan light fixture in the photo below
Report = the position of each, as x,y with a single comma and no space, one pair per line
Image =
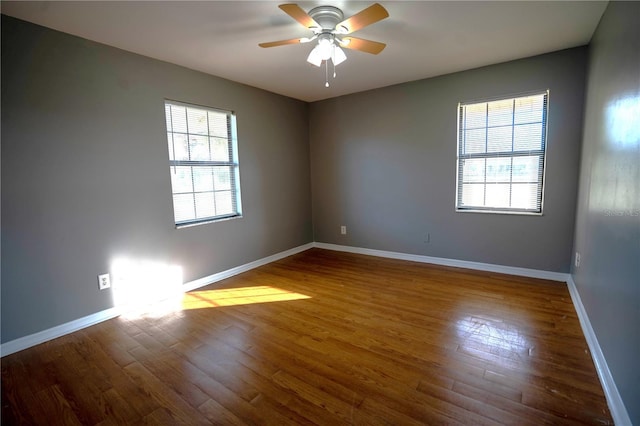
314,57
338,56
323,51
325,46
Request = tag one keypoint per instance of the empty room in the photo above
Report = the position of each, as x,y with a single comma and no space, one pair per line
255,212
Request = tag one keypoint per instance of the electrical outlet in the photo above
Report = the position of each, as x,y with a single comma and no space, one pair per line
104,281
343,230
577,260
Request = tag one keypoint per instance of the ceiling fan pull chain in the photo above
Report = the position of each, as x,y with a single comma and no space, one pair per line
326,73
333,58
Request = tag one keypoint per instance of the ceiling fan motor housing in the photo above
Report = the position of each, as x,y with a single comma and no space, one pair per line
327,17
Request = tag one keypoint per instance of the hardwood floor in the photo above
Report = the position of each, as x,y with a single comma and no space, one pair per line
324,338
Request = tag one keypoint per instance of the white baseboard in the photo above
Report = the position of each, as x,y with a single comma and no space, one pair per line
26,342
511,270
614,400
201,282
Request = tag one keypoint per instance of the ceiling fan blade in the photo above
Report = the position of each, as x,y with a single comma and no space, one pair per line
284,42
368,16
354,43
299,15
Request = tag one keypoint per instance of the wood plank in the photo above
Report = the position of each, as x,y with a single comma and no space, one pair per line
171,404
218,415
54,405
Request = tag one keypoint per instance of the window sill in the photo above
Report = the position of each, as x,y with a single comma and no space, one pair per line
499,212
204,222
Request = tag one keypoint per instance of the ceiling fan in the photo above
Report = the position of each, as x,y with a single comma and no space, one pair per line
330,29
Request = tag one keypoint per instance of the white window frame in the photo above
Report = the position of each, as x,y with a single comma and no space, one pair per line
463,155
201,215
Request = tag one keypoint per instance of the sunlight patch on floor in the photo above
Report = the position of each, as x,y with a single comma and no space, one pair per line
145,288
237,296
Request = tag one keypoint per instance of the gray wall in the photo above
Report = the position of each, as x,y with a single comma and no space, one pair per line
608,215
85,174
383,163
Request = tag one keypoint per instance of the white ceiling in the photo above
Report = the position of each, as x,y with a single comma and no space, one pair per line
424,38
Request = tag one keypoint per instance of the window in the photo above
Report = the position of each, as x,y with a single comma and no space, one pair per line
501,151
203,160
